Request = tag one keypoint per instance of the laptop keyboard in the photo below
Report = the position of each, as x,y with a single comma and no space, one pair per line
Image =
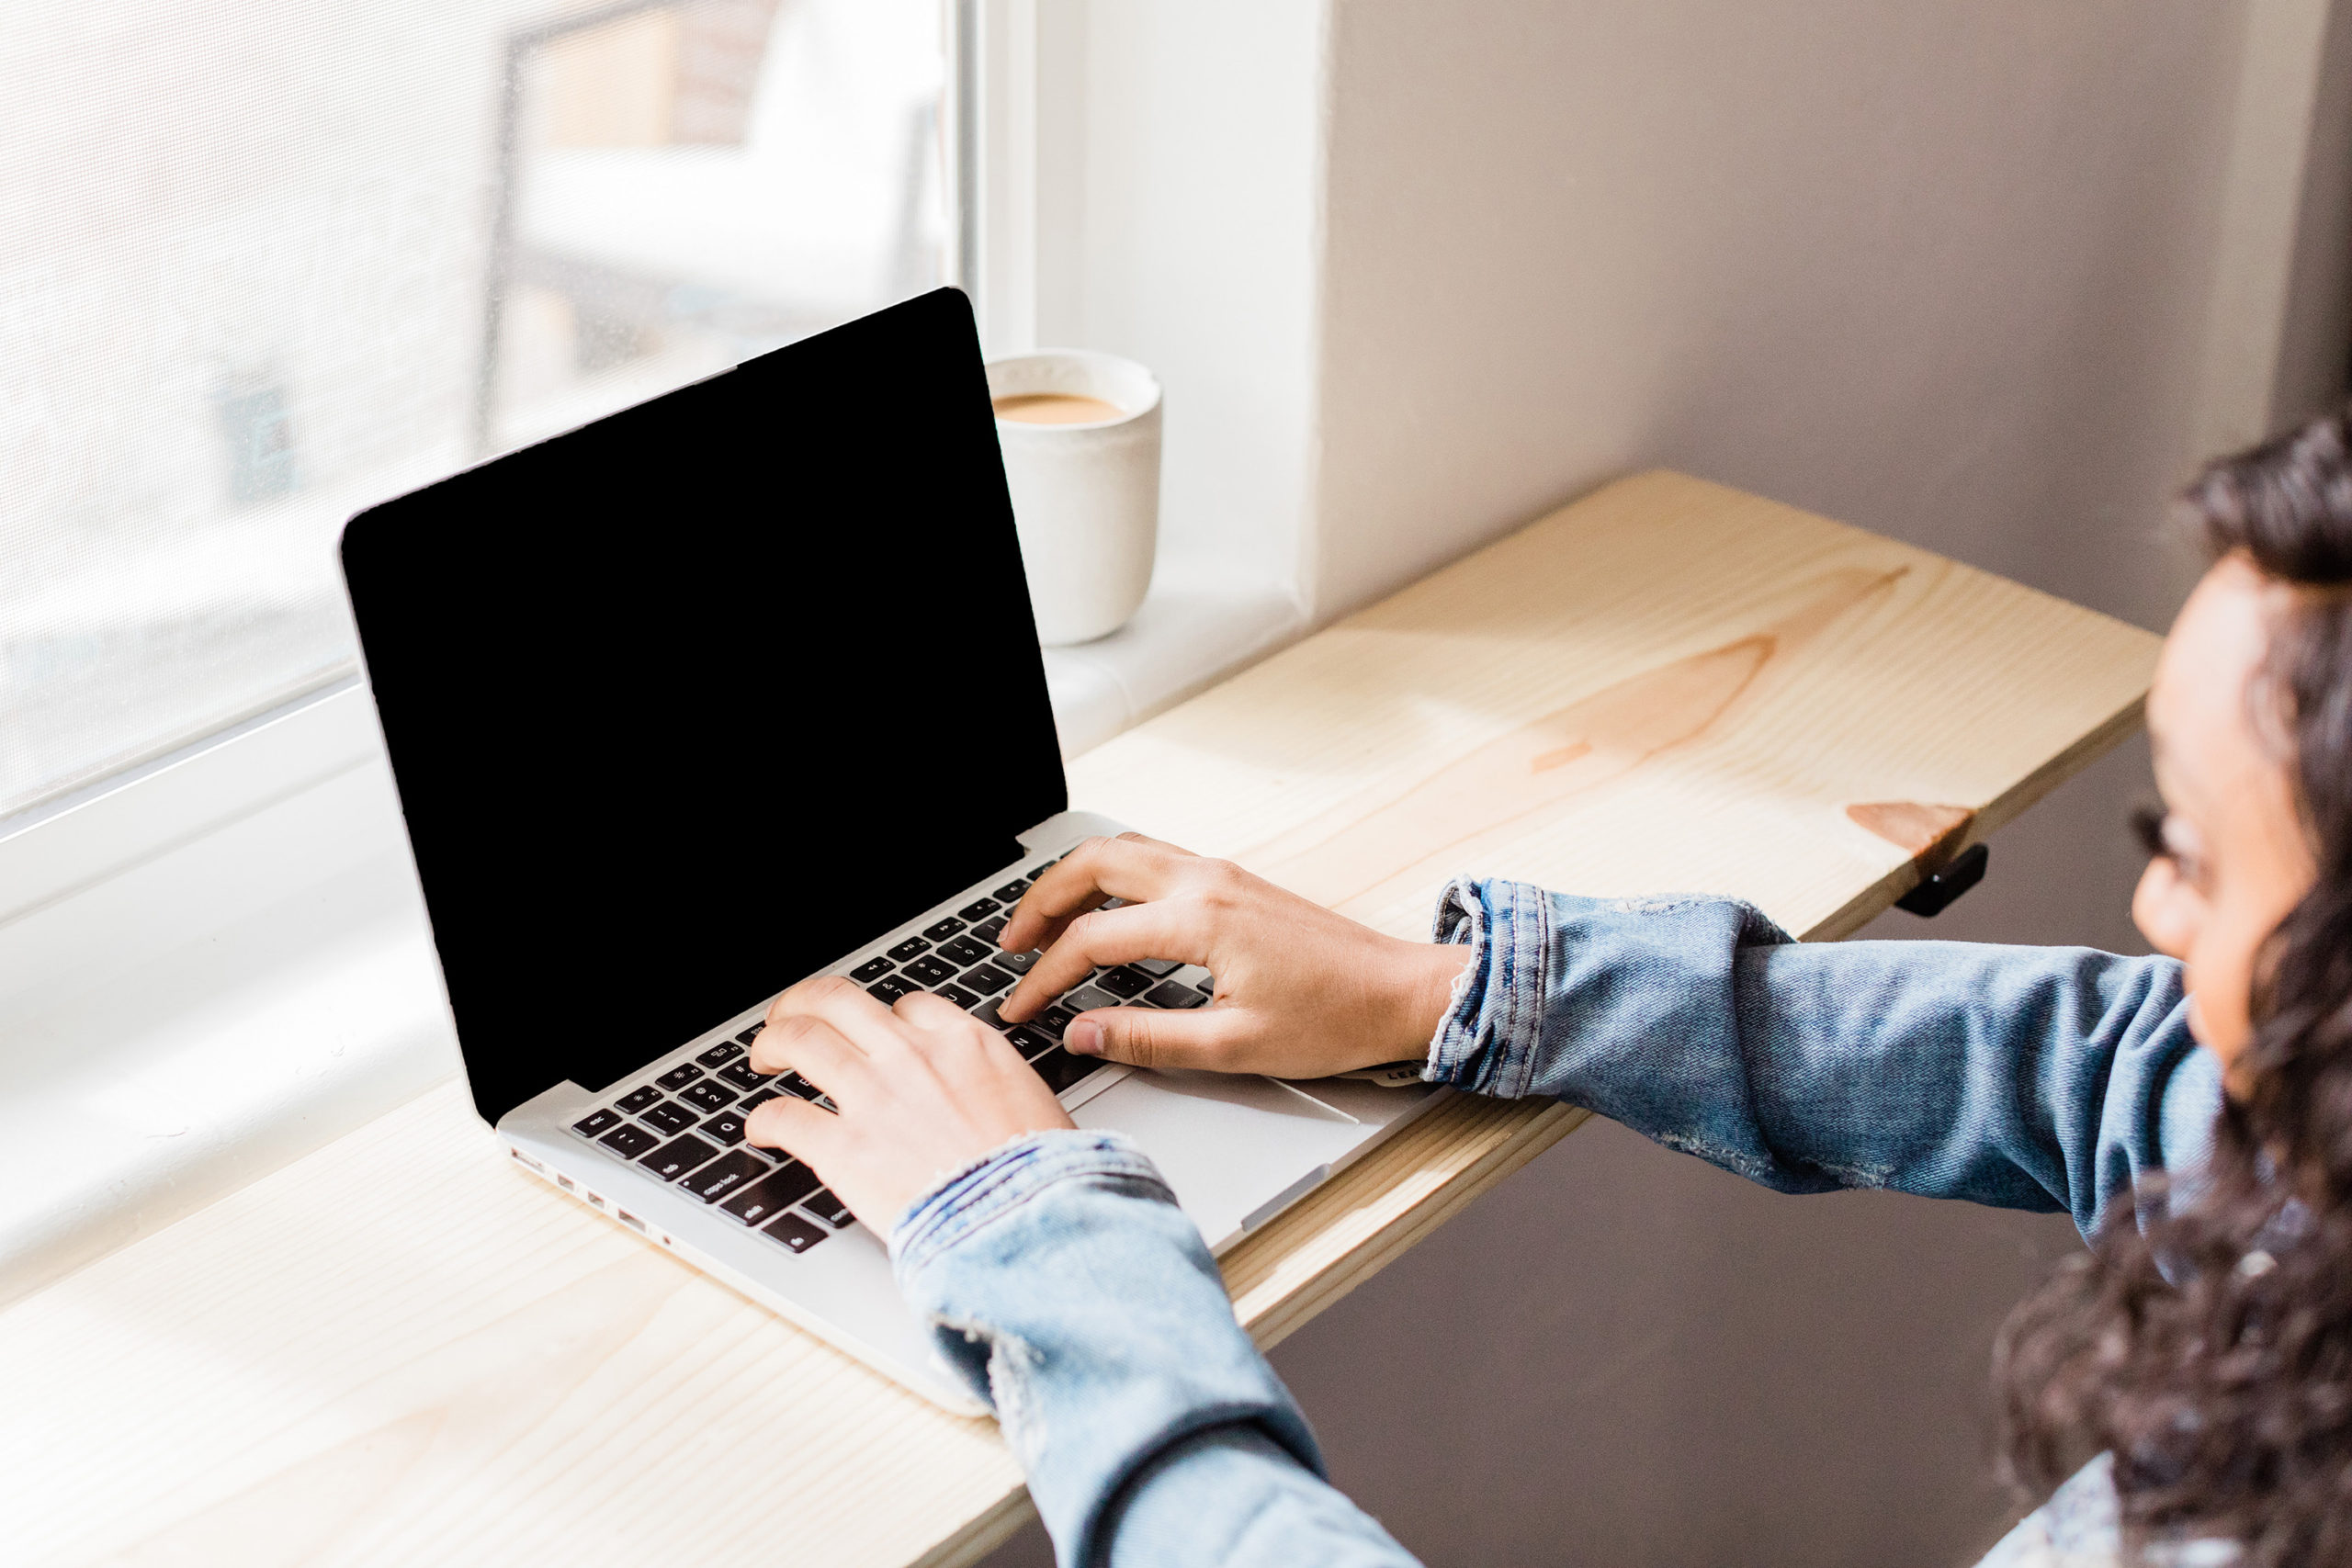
686,1125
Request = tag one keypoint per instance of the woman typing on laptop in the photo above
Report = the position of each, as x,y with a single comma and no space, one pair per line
2203,1353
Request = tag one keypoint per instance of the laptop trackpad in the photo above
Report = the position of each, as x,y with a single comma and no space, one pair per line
1227,1143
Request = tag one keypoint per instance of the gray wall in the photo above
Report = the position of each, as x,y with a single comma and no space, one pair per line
1941,269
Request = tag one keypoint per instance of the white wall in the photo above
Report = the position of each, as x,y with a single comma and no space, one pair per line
1164,204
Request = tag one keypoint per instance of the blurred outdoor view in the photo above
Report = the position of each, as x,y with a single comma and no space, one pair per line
264,263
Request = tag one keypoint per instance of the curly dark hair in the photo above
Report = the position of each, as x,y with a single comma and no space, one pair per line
2211,1356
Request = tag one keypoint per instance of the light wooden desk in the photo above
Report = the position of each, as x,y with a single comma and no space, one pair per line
401,1350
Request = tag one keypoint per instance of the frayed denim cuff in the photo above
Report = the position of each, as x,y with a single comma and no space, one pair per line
1004,1178
1487,1042
1061,1283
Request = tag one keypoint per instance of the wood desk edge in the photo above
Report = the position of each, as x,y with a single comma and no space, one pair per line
1993,815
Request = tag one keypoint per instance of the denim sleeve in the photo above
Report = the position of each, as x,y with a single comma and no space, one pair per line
1065,1288
2046,1078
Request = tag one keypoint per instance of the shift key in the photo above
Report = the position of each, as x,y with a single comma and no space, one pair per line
757,1203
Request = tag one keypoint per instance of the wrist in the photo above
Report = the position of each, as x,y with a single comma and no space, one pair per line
1427,973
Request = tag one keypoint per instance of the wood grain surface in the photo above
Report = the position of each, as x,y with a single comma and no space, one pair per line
401,1350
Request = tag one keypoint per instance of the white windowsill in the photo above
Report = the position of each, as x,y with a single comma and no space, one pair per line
1195,627
207,991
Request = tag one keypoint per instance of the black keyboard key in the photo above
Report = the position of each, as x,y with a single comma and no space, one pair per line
728,1173
1029,1042
1206,985
913,947
751,1033
830,1209
1019,963
988,930
726,1129
957,994
1169,994
929,971
628,1141
1085,998
1053,1021
758,1099
794,1084
637,1099
677,1156
986,1013
987,979
1060,1069
742,1075
1012,891
670,1117
707,1096
872,969
980,910
794,1233
718,1055
964,952
943,930
761,1201
596,1123
680,1076
1123,982
891,987
1158,968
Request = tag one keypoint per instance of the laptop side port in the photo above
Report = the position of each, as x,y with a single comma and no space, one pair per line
565,1182
631,1221
526,1159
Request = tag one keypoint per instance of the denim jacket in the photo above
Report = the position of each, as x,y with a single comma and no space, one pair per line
1068,1289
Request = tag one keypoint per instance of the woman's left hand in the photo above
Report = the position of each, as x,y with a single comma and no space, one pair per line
924,1090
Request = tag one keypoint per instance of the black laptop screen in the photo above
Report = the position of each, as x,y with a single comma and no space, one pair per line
694,700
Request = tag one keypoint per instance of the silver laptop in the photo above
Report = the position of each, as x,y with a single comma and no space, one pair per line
728,690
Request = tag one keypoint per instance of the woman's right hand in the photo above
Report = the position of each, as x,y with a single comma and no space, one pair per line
1301,992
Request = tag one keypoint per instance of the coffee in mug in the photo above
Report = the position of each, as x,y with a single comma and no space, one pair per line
1056,407
1081,436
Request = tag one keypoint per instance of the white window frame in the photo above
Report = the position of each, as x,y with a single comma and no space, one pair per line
293,805
53,850
1016,104
1037,260
87,833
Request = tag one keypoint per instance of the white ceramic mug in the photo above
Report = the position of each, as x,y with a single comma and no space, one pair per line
1085,496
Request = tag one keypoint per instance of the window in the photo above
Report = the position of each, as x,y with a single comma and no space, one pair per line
263,264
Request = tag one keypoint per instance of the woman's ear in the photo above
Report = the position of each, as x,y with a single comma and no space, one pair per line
2164,908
